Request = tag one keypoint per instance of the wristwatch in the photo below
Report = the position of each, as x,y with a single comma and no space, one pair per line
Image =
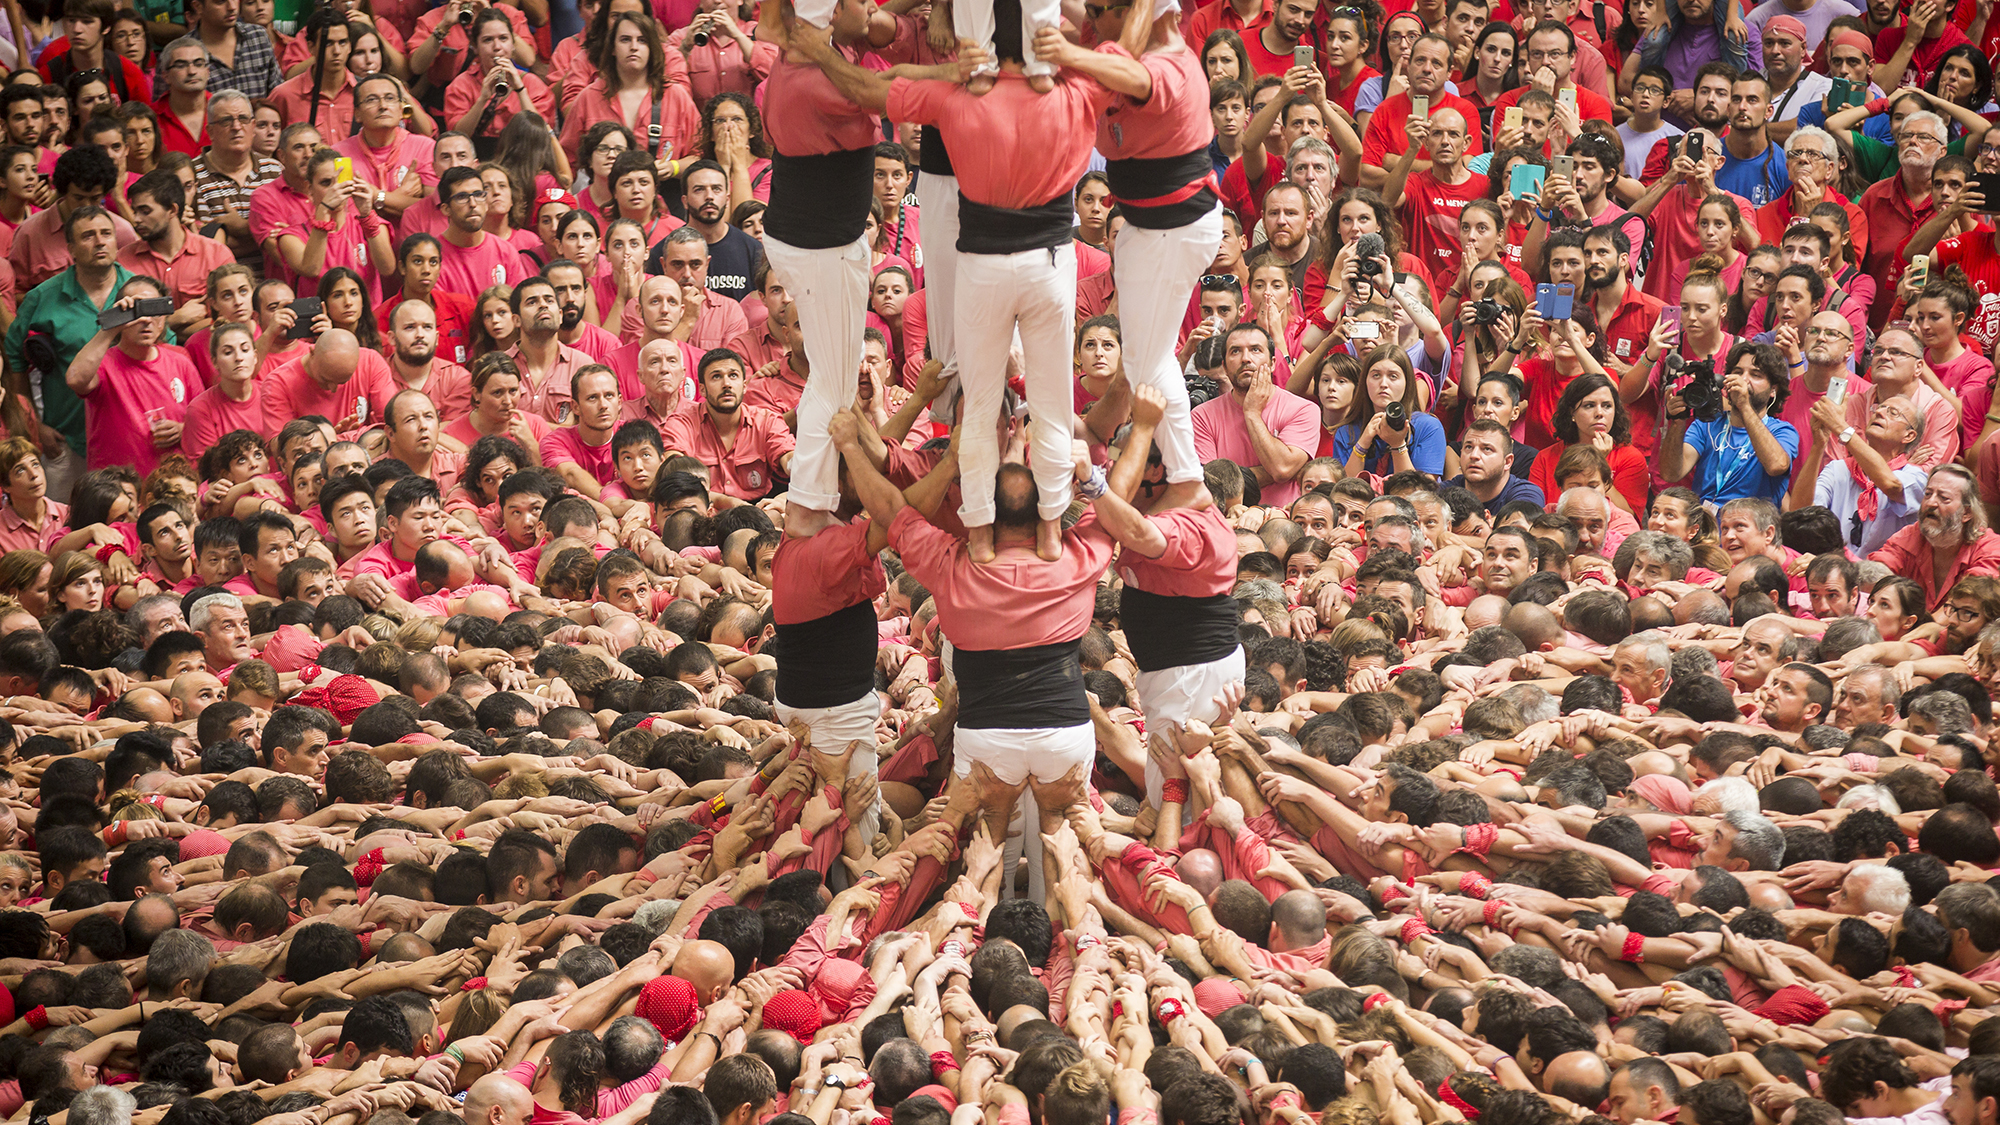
381,197
1847,435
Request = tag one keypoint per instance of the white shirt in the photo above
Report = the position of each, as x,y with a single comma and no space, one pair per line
1836,491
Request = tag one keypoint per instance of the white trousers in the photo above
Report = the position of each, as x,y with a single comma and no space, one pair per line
1036,291
1172,696
818,13
831,289
973,19
833,729
1155,271
937,223
1016,755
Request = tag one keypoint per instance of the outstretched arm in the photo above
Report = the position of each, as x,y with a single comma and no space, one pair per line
883,500
1126,523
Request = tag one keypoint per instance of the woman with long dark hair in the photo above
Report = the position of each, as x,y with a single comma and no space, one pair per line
323,94
732,135
1224,56
631,87
1590,414
603,143
343,296
1493,71
527,149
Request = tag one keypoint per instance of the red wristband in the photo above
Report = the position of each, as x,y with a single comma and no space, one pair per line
1491,914
117,833
1415,928
105,552
1475,884
37,1017
1171,1009
1479,838
942,1061
1174,791
473,984
1635,949
1392,893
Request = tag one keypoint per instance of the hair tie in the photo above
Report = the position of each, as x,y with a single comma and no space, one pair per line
1635,949
1450,1097
1475,884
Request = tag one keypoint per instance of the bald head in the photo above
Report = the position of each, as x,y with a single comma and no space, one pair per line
334,358
1701,606
150,704
1486,609
497,1099
1580,1076
1298,920
1201,869
1536,625
404,947
192,692
708,966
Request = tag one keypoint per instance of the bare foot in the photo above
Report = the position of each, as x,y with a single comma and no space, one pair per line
1041,83
979,543
802,522
979,83
1048,540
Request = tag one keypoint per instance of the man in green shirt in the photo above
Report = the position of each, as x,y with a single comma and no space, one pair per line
61,313
1877,161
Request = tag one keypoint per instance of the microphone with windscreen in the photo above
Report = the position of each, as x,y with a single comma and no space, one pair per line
1367,248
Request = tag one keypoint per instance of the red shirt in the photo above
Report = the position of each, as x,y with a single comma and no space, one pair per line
129,392
463,92
805,116
1976,254
826,573
299,103
453,54
213,414
1200,560
1262,61
1174,121
1240,196
386,167
1892,216
470,271
1031,147
1929,53
1631,323
291,393
1016,601
1430,213
1386,137
1589,106
1198,25
454,322
1907,553
1774,217
173,133
186,277
1675,243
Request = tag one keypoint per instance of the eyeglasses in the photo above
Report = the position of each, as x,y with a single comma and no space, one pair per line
1961,612
1217,277
468,196
378,100
1761,275
1893,353
91,75
233,121
1923,139
1833,333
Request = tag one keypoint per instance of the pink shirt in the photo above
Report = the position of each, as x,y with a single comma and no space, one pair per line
40,252
1016,601
680,119
719,66
720,324
276,210
1220,431
472,271
17,535
549,395
128,392
296,98
386,167
1032,147
598,344
564,445
291,393
449,387
826,573
422,217
186,277
213,414
805,116
464,91
1173,122
748,469
455,53
461,428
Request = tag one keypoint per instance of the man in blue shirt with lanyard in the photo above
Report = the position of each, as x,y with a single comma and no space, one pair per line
1745,451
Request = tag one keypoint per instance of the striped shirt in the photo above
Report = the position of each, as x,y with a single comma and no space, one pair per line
217,195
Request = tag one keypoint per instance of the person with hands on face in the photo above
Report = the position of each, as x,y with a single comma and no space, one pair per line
134,391
339,231
1259,425
1865,477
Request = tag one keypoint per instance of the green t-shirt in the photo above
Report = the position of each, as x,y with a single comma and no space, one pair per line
1877,161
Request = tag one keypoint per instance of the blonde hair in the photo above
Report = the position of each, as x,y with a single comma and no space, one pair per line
130,804
17,861
420,635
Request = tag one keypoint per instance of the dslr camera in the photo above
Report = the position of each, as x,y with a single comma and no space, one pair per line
1703,391
1486,311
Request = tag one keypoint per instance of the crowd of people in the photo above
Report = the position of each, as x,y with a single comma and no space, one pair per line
999,562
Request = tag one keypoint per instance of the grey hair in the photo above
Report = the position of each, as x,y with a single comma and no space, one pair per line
178,955
223,97
1311,144
657,915
184,43
1762,511
201,611
1845,634
1569,499
1946,710
135,618
1674,554
102,1105
1814,135
1691,661
1726,795
1881,889
1890,689
1932,120
1400,505
692,236
1759,842
1534,702
1260,589
1861,795
1868,572
1652,644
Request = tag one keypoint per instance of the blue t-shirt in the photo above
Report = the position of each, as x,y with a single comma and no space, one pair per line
1759,179
1427,447
1516,488
1727,467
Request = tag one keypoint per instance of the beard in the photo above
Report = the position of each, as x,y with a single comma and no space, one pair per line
572,315
709,213
414,357
1939,532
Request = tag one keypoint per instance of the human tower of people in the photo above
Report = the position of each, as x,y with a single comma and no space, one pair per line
1266,564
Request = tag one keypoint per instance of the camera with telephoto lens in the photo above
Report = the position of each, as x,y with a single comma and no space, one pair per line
699,37
1703,391
1395,417
465,17
1486,310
